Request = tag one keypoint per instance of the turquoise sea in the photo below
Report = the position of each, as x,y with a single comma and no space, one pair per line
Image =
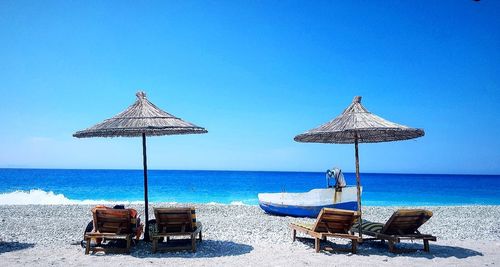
25,186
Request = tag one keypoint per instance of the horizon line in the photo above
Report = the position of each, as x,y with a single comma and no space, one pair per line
215,170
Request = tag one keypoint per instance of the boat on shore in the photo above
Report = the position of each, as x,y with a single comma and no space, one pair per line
309,204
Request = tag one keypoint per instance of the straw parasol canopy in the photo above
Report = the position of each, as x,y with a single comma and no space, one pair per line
142,118
357,125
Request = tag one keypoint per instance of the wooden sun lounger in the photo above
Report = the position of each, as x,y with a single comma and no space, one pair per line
330,223
403,225
110,224
176,222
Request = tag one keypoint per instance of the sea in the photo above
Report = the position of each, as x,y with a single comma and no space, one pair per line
65,186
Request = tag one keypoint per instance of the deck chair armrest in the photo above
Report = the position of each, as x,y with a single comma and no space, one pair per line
198,229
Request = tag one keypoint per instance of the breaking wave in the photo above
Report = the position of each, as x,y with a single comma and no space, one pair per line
237,203
40,197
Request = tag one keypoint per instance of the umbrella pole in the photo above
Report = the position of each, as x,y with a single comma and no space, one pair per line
358,185
145,162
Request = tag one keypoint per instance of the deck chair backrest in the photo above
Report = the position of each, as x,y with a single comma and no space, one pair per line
112,220
335,221
406,221
175,220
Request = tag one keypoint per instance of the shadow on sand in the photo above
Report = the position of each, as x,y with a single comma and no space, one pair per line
13,246
408,249
416,250
204,249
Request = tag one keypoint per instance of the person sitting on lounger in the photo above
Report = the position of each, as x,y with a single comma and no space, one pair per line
135,222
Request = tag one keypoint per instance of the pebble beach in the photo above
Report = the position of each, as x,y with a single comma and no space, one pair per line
239,235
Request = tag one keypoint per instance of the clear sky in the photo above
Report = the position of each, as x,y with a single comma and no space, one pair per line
254,74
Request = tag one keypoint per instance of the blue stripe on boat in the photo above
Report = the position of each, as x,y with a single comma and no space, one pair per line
304,211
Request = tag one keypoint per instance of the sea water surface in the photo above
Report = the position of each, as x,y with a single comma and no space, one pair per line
62,186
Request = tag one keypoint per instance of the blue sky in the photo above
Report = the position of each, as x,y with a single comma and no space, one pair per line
254,74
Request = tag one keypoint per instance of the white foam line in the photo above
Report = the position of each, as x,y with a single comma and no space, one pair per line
40,197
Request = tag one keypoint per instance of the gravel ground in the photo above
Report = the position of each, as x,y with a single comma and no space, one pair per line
236,232
63,224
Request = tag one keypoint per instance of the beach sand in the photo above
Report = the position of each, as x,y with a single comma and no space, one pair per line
246,236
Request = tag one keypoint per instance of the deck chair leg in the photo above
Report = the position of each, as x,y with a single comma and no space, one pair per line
87,245
354,246
294,234
426,245
155,244
193,243
129,241
316,244
392,246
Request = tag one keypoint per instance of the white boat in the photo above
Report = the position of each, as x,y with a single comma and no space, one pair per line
309,204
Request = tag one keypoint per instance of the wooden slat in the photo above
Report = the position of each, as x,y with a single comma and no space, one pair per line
106,235
174,215
403,225
406,215
172,234
110,224
318,236
173,210
166,218
180,217
331,228
338,211
415,220
175,221
334,220
338,218
416,223
402,228
112,220
113,214
409,218
334,224
173,226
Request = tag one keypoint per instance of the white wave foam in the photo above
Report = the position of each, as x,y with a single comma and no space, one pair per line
40,197
233,203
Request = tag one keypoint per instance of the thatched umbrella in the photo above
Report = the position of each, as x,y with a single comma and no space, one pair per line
357,125
142,118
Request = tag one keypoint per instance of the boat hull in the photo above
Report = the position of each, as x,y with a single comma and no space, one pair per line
303,211
308,204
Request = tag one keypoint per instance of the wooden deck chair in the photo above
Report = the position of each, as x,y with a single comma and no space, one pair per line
176,222
330,223
402,225
110,224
